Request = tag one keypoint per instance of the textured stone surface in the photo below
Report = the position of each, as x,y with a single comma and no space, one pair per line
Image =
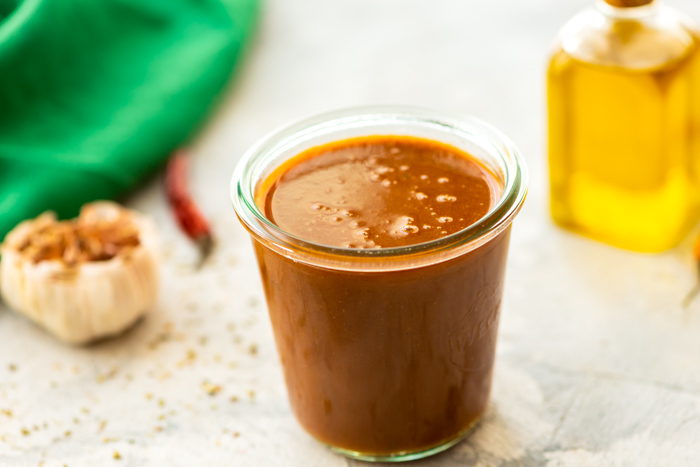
598,363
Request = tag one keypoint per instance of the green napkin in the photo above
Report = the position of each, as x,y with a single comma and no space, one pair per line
95,94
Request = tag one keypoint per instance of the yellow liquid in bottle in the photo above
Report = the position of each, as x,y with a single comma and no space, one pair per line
624,150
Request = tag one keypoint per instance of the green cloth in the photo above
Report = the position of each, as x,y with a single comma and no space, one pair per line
95,94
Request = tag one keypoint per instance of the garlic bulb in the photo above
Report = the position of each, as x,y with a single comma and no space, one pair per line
83,279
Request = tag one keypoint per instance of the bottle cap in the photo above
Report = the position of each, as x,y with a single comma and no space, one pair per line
628,3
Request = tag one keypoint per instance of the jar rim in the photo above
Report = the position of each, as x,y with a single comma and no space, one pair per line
491,140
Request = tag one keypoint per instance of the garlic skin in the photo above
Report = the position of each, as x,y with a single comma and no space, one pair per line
86,301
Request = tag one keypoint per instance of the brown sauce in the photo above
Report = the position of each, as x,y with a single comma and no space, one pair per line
387,361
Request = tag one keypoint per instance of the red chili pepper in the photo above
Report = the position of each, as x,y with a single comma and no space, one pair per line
188,215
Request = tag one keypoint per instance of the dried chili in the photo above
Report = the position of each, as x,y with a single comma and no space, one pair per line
188,215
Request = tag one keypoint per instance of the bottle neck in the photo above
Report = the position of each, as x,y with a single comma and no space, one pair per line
628,3
628,8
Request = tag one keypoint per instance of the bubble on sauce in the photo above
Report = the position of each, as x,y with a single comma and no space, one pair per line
383,169
403,168
443,180
402,227
319,207
423,177
446,199
394,151
420,196
386,183
427,227
361,243
358,224
334,219
444,219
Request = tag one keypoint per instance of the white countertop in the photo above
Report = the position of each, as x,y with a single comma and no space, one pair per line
598,364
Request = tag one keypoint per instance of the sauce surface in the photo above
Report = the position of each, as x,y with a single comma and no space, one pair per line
378,192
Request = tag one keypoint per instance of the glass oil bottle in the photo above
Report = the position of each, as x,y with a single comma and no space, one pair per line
624,125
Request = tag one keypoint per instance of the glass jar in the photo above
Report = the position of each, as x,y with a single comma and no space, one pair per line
387,353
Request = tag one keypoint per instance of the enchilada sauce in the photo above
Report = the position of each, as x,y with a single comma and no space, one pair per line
384,361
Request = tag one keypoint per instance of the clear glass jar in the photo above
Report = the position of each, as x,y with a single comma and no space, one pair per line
624,125
387,354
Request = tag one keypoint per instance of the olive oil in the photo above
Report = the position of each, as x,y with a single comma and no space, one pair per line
624,130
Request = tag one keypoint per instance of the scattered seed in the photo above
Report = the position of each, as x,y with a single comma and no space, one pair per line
107,376
211,389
